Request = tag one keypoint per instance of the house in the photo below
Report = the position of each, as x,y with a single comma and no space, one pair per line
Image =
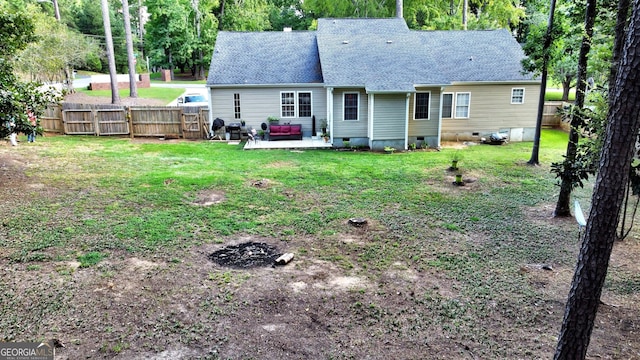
376,82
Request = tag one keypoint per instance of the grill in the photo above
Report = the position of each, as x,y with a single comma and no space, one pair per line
234,128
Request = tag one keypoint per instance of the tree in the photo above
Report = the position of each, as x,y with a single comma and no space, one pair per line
546,47
16,97
569,177
288,13
561,58
88,20
623,123
115,95
39,63
246,15
205,25
131,60
169,39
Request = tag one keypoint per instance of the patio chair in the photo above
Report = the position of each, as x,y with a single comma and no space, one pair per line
252,135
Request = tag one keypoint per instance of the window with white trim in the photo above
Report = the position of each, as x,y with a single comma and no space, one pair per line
447,105
421,105
287,104
517,96
351,101
304,104
463,102
236,106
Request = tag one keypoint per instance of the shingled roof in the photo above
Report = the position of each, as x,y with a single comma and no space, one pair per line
381,55
482,55
263,58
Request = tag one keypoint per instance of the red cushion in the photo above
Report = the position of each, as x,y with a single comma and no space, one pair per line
285,129
275,129
296,129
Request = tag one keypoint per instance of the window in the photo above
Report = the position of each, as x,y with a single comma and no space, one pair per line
517,96
447,105
351,106
462,105
421,106
287,104
304,104
236,106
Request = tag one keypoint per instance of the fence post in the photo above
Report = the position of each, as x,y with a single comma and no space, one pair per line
130,121
96,123
64,121
183,125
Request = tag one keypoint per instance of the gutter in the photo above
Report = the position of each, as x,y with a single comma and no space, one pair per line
235,86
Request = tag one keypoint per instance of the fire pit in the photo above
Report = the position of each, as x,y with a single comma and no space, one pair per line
246,255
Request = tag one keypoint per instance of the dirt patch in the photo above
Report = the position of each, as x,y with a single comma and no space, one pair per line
209,197
324,304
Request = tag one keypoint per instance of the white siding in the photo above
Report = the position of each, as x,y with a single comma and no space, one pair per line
256,104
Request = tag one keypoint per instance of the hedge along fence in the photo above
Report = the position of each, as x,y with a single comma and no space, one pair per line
135,121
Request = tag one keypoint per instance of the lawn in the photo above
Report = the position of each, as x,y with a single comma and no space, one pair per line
554,94
105,246
160,93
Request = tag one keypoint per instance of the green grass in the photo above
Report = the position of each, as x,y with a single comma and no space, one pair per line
113,198
90,259
165,94
554,94
141,193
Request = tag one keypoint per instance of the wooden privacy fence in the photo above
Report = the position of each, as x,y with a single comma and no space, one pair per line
551,114
134,121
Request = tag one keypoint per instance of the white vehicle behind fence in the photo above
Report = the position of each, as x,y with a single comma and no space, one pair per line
193,100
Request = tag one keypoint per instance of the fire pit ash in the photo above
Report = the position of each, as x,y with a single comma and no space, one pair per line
246,255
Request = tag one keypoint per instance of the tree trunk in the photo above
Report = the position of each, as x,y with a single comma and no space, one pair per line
465,8
56,9
131,60
68,79
221,19
563,205
115,95
200,74
618,43
566,87
623,123
535,151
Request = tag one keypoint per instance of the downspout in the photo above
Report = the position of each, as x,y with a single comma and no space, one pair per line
330,112
371,102
440,117
406,122
211,112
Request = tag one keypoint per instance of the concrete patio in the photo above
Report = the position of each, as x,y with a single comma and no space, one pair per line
305,143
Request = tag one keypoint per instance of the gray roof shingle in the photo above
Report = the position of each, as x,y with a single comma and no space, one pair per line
483,55
387,26
261,58
381,55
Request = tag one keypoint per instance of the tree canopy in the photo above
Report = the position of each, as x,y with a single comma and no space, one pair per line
17,97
